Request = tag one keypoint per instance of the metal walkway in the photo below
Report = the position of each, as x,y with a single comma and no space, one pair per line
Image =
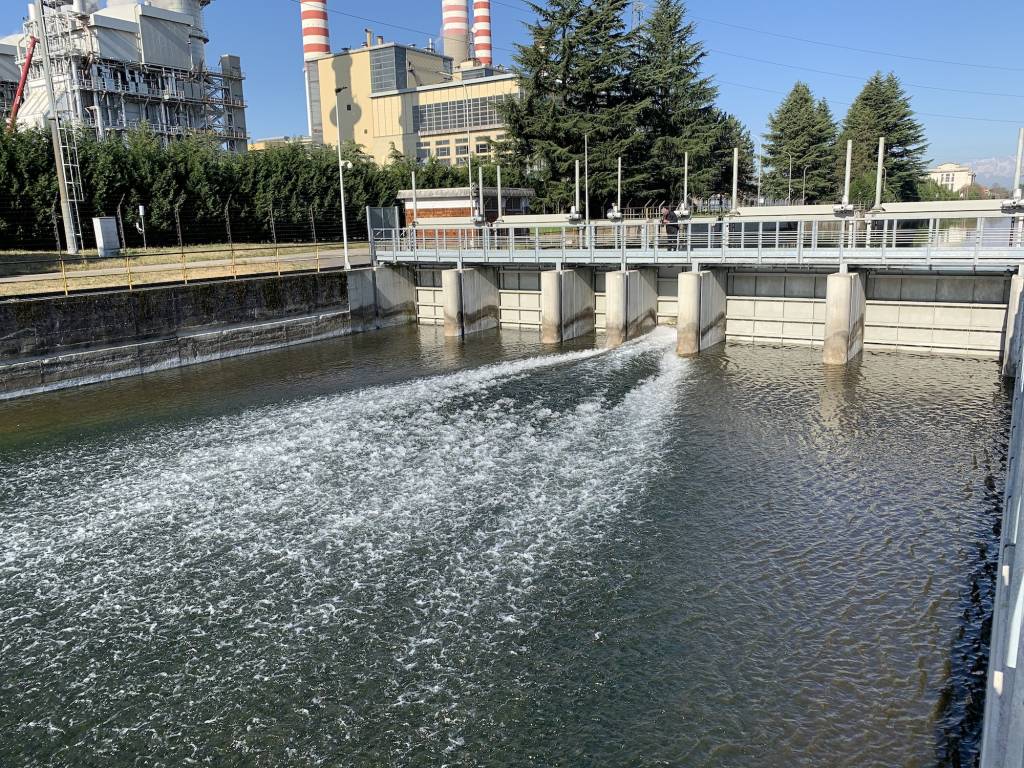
972,236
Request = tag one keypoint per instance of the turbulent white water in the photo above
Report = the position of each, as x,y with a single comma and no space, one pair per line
349,567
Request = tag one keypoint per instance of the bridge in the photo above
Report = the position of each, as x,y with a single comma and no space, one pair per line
963,236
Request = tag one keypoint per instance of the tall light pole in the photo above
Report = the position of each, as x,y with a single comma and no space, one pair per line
343,165
789,195
469,138
803,195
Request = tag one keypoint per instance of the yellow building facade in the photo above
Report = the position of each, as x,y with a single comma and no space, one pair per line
409,100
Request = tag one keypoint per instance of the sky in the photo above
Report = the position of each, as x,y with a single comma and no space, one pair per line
957,65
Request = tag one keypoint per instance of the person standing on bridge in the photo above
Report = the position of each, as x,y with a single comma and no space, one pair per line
671,223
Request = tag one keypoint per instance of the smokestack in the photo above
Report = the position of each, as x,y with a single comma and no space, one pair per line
482,31
455,30
316,37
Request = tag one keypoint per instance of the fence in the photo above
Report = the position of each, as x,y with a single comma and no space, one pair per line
178,246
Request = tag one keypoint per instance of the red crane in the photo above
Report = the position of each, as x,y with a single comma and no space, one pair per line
19,94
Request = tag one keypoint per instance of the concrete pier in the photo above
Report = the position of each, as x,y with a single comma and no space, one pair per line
702,312
471,300
567,304
381,297
632,299
844,318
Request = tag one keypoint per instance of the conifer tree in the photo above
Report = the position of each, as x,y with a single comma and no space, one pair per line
883,109
678,115
801,135
574,80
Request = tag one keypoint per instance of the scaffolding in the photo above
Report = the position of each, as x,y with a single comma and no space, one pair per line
114,94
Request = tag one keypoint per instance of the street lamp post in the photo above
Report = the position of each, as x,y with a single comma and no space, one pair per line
343,165
803,194
789,194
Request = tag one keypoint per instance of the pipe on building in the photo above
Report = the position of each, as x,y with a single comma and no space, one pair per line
455,29
482,32
316,35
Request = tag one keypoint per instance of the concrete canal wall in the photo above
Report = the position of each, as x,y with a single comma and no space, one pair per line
1003,736
60,342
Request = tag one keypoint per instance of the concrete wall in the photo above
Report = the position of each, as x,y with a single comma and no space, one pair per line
471,300
429,297
776,308
668,295
632,304
936,314
1013,329
568,304
46,326
520,298
844,318
1003,725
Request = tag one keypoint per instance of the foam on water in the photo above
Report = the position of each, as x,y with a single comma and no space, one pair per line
370,556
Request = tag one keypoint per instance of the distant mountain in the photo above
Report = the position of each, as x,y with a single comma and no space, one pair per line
994,170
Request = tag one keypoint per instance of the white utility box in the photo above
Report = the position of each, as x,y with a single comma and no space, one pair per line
108,239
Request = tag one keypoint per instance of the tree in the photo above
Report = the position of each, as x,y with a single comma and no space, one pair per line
883,110
574,79
679,115
731,134
801,136
930,191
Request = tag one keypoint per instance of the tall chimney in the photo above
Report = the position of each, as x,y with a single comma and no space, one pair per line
455,29
482,31
316,38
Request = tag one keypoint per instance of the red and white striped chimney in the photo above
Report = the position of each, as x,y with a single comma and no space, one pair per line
482,31
316,37
455,29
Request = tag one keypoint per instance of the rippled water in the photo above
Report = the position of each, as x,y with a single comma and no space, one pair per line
396,550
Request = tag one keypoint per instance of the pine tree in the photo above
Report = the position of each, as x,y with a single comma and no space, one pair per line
801,136
883,109
574,84
679,115
731,134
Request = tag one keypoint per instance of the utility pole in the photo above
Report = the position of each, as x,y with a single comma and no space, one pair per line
68,215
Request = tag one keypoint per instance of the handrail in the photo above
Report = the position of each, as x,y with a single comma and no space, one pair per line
713,240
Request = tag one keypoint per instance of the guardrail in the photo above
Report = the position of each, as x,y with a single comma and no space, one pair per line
879,243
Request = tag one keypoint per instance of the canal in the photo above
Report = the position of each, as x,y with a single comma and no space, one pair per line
393,549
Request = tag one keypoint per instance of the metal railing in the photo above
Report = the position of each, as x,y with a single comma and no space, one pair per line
980,242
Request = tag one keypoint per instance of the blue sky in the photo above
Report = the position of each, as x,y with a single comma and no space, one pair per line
266,34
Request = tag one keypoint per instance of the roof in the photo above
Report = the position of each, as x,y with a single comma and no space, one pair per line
463,193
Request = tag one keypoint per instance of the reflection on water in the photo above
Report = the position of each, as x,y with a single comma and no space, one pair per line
399,550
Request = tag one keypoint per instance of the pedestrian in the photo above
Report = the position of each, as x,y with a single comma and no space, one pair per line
671,223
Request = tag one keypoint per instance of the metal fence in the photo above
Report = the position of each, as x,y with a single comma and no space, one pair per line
709,240
180,248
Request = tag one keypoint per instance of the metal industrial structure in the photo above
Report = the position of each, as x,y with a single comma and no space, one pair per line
111,70
116,68
413,100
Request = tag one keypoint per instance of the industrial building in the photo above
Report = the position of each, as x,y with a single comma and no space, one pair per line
405,99
124,65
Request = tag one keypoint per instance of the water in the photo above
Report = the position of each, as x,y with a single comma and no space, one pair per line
397,550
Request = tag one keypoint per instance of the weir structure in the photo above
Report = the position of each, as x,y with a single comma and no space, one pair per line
933,278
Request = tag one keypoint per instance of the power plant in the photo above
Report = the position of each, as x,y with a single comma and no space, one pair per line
416,101
120,66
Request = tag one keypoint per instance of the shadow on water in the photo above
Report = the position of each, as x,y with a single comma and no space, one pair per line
960,711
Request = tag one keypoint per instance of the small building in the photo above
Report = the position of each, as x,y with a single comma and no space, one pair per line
953,176
455,203
258,145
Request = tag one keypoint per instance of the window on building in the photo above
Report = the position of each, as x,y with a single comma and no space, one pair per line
422,155
444,152
462,161
462,149
448,116
483,148
388,69
462,140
